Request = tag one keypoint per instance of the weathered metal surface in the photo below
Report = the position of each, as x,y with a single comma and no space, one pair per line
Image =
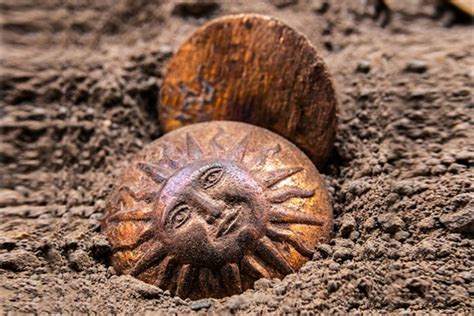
257,70
208,209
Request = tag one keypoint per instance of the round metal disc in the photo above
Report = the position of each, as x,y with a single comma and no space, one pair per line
257,70
208,209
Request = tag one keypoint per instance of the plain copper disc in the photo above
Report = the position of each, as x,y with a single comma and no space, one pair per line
257,70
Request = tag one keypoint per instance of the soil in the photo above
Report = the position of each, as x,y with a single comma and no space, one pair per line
80,84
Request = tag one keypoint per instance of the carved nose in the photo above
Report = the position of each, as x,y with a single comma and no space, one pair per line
208,205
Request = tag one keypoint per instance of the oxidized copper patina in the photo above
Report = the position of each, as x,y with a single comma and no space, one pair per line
257,70
208,209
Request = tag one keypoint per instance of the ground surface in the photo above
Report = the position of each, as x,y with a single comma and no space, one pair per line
79,87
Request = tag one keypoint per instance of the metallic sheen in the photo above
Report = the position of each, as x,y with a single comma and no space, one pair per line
208,209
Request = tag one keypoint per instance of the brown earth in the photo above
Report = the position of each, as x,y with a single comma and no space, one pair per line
79,87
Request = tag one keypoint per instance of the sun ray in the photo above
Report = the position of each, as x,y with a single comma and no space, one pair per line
285,193
280,216
254,267
266,250
238,152
166,160
279,175
193,149
129,215
164,272
184,280
152,171
147,197
152,257
207,282
215,146
231,277
146,236
283,235
261,160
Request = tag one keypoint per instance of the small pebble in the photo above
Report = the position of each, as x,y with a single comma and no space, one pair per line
201,304
363,66
333,286
416,66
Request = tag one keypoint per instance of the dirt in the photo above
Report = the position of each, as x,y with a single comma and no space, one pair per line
79,89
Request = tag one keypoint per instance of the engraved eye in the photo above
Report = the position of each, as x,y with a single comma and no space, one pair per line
180,216
211,176
234,199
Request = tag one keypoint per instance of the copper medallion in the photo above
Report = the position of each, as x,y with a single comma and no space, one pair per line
208,209
253,69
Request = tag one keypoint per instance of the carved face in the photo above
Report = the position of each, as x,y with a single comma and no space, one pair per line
213,208
211,218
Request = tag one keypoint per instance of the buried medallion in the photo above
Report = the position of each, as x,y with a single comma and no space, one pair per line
208,209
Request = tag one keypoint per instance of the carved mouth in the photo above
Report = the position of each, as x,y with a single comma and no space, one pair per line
228,224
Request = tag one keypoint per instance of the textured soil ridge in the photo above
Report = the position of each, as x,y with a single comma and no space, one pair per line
79,88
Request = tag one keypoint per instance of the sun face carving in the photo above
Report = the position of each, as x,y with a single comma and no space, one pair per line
209,218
